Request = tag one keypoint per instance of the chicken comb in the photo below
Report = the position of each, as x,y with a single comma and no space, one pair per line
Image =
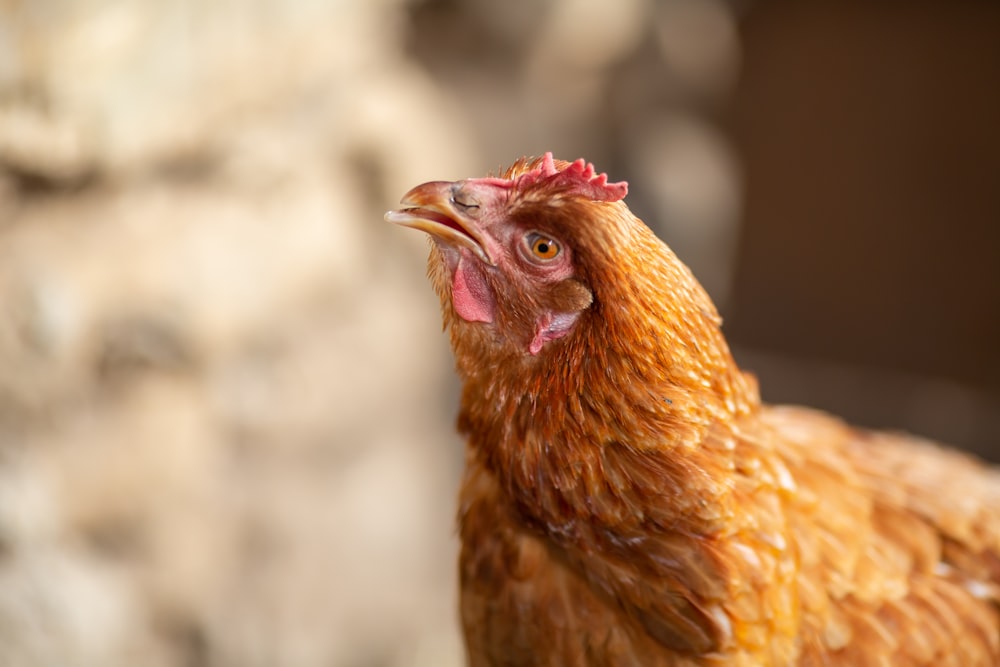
578,177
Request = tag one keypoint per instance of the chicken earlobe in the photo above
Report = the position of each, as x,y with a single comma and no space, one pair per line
550,327
566,301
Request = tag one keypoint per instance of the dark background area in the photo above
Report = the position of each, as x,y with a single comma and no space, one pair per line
869,240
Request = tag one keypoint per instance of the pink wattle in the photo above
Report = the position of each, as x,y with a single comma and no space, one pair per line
470,294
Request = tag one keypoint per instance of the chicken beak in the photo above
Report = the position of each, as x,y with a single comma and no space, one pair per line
432,208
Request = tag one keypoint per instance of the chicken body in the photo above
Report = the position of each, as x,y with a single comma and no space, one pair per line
628,500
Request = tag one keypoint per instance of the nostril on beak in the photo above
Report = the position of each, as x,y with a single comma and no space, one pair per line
463,199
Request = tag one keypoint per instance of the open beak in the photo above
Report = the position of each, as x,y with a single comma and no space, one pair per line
431,208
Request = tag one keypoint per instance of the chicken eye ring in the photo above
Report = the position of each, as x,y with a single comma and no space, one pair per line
542,247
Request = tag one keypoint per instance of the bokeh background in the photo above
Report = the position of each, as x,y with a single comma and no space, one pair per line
226,405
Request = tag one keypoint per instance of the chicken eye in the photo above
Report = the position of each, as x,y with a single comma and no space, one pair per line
543,247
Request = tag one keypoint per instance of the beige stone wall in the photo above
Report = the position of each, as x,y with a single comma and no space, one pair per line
225,430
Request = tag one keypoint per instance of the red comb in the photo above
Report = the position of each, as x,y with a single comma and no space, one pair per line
577,176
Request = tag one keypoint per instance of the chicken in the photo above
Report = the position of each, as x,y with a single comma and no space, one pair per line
628,499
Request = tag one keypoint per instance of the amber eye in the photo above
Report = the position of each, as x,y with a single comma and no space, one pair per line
542,246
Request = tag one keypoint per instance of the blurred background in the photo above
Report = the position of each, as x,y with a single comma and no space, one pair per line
226,406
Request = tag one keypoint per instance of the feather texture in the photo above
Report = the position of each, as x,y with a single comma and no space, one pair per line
628,500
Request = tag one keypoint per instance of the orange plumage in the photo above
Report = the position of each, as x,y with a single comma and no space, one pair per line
628,500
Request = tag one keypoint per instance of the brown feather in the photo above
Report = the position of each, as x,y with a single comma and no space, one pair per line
629,501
